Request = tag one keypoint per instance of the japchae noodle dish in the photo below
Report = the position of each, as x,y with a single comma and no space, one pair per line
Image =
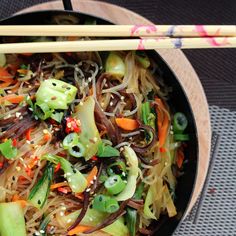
88,144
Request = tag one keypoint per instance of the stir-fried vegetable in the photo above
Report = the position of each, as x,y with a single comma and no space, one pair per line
89,136
131,215
12,220
93,218
105,203
143,59
127,124
115,65
75,179
56,94
8,150
132,161
39,193
114,184
105,150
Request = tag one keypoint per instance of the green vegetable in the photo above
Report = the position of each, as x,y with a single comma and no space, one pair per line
2,59
105,204
180,123
131,215
57,116
143,59
93,218
12,221
118,167
76,180
77,150
7,149
89,135
105,150
43,225
42,111
56,94
39,193
70,140
148,117
132,160
114,184
115,65
181,137
148,202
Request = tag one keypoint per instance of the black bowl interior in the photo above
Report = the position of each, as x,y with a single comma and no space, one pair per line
178,101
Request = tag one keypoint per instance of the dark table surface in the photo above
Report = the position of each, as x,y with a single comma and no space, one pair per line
214,213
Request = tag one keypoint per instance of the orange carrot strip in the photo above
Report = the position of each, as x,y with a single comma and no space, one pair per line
79,229
180,158
33,162
23,203
12,98
59,185
47,137
91,175
15,197
28,134
162,122
127,124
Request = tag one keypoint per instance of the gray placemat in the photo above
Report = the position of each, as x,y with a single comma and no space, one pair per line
215,211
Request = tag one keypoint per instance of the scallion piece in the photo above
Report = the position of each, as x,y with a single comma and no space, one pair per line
105,150
105,203
8,150
12,221
39,193
180,123
118,167
114,184
70,140
78,150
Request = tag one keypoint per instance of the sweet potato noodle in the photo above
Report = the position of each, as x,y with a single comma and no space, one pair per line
88,144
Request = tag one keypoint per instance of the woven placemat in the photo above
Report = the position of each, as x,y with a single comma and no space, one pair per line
214,213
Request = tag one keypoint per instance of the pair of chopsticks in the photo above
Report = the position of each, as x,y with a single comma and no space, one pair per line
134,37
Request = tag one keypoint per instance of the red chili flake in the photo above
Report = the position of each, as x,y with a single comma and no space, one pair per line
72,125
28,171
64,190
28,132
1,164
94,158
58,167
162,149
14,142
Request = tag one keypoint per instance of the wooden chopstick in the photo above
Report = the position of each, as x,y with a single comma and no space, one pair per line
119,44
120,30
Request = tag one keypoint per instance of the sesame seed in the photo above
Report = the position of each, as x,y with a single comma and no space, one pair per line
89,79
81,103
123,173
91,182
121,149
95,139
112,96
122,98
9,91
62,213
95,177
27,141
45,131
31,109
37,233
42,231
18,168
88,190
111,103
69,220
63,208
21,117
18,114
69,180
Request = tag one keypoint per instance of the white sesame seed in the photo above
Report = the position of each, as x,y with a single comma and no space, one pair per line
122,98
81,103
31,109
123,173
9,91
18,168
89,79
18,114
45,131
21,117
27,141
42,231
95,177
37,233
62,213
91,182
63,208
69,180
111,103
88,190
112,96
69,220
95,139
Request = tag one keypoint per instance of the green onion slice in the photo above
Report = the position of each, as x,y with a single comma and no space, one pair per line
114,184
77,150
180,123
70,141
7,149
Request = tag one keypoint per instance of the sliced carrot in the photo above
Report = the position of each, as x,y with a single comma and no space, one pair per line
23,203
64,190
28,134
79,229
127,124
59,185
180,158
47,137
57,168
91,175
33,162
13,98
162,121
15,197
